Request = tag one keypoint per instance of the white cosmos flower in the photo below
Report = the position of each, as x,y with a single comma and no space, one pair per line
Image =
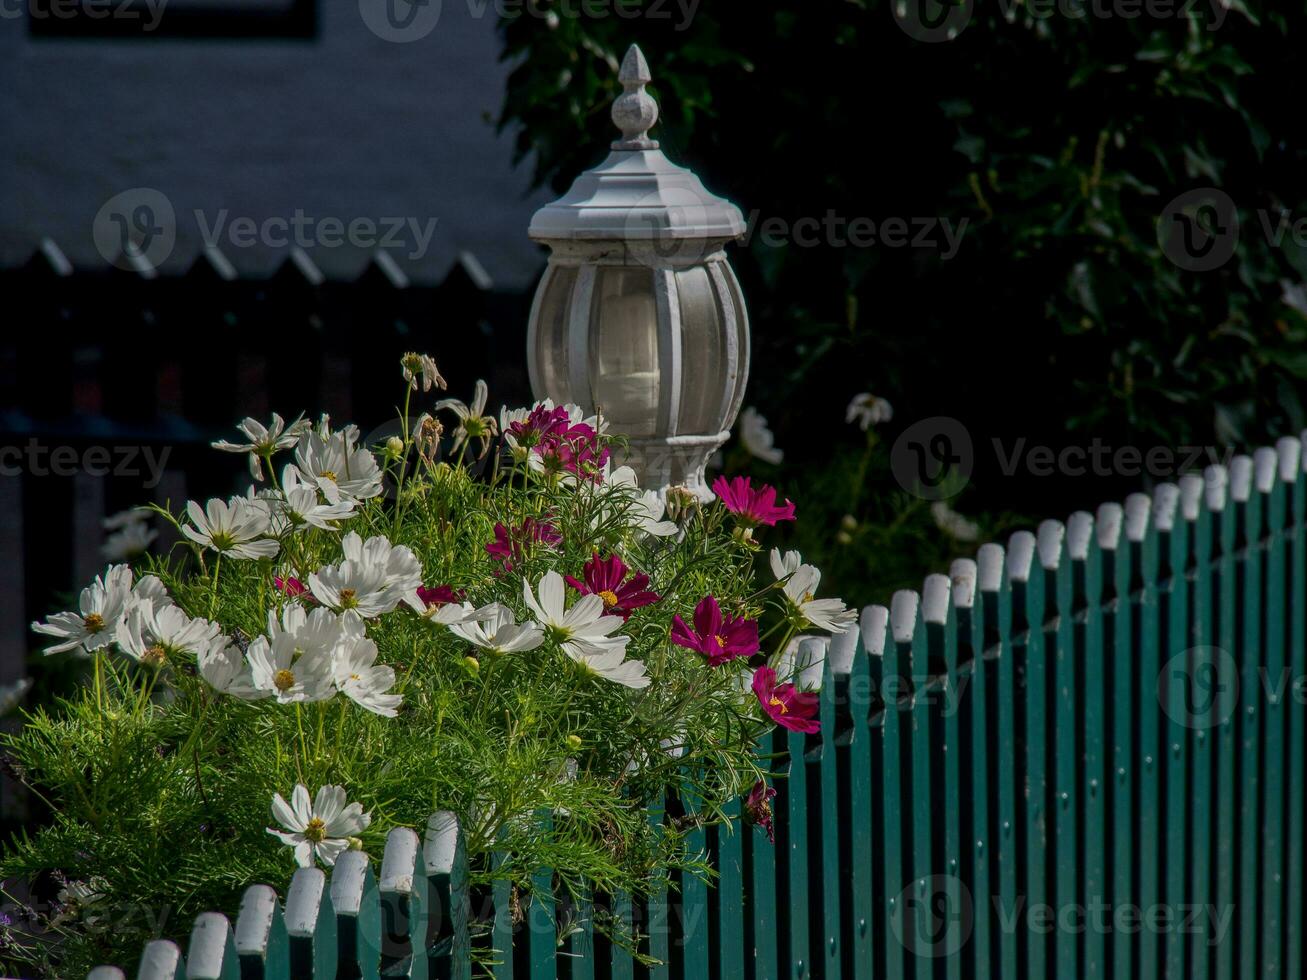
757,438
321,829
868,410
494,628
420,372
374,577
225,668
235,528
153,634
647,507
299,504
800,583
295,661
149,588
102,607
132,541
361,679
473,423
583,632
264,440
336,465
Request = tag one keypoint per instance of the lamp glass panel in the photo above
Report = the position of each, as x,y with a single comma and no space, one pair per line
624,376
703,378
551,335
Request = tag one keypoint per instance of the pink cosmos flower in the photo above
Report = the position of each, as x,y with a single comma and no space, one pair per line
757,808
752,507
574,449
510,545
718,638
785,704
540,423
438,595
605,578
292,587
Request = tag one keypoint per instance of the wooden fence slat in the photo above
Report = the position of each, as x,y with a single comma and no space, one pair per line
1224,744
1248,761
260,940
821,770
849,711
161,960
1091,686
1271,696
896,773
310,925
405,906
106,973
542,922
212,952
444,853
357,905
1196,526
1063,717
1295,922
1031,667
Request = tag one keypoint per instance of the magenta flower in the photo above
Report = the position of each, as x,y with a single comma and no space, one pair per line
438,595
574,449
292,587
607,579
510,545
752,507
757,808
717,637
540,423
785,704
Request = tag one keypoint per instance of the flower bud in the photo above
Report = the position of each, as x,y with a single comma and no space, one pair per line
355,844
574,742
394,446
472,664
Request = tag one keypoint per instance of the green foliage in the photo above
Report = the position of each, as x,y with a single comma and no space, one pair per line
1055,136
159,781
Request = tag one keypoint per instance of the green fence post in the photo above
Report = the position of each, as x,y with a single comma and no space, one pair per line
542,919
161,960
261,940
823,839
730,892
1141,544
444,856
211,954
1271,696
1224,826
358,916
794,882
106,973
1295,920
976,767
1091,693
1248,761
869,847
996,598
896,772
1033,738
503,928
659,912
760,874
310,926
1121,706
1062,714
404,896
1195,528
922,884
849,714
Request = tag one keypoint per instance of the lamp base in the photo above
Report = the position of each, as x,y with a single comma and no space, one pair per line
673,461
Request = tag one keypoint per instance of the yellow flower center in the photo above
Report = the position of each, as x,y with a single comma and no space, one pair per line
283,680
609,597
316,831
348,599
776,702
721,644
93,622
329,475
355,677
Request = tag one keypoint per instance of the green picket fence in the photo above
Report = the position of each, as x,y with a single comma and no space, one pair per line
1081,756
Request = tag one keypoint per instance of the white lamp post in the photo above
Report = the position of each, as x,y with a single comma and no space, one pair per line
639,315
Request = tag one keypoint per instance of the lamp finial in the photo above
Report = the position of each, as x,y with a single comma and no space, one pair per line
635,111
